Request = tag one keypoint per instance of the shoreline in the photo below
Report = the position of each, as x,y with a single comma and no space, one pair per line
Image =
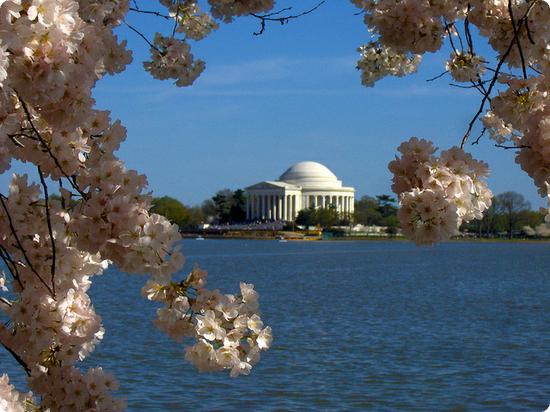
282,238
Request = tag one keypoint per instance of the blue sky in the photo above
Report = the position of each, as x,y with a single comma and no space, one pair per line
291,94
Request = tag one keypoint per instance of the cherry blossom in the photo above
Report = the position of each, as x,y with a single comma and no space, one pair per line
52,53
437,194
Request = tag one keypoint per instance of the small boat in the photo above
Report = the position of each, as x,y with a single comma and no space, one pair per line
282,239
199,238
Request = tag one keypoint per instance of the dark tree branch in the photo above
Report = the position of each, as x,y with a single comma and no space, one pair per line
11,265
523,146
140,34
150,12
20,246
480,136
6,302
45,144
516,36
18,359
264,18
448,30
50,230
501,62
468,33
439,76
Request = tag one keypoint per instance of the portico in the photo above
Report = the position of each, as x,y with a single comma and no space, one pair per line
304,185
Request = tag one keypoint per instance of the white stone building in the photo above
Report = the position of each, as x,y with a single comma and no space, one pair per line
303,185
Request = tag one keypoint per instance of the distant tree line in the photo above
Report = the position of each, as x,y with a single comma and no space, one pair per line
225,206
508,215
377,211
325,217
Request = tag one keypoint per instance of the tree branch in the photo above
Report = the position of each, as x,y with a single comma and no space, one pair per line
20,246
516,36
264,18
495,76
523,146
45,144
50,230
15,356
154,13
11,265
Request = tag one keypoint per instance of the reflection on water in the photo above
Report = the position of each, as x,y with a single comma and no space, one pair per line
357,325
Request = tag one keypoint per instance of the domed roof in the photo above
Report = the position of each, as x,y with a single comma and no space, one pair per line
310,175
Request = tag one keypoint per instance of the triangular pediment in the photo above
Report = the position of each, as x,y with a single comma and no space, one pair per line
271,185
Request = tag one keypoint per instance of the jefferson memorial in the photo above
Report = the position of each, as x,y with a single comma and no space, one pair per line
303,185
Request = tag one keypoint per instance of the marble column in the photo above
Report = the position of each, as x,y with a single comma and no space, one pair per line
345,200
287,214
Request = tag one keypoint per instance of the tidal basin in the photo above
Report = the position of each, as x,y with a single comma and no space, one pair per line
357,326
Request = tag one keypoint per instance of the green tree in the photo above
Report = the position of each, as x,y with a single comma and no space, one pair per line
223,201
392,223
237,211
366,212
380,210
307,217
386,205
208,210
509,205
172,209
327,217
196,217
227,206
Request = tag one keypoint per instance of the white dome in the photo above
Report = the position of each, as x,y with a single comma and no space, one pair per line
311,175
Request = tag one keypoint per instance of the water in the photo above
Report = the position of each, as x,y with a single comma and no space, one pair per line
357,325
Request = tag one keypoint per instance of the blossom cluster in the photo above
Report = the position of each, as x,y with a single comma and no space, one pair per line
378,61
172,59
465,67
228,9
190,19
10,399
515,88
520,116
52,53
436,193
228,330
412,26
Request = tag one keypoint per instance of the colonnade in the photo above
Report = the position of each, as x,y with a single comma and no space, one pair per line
271,207
344,204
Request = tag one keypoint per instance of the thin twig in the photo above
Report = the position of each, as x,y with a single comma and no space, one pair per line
439,76
20,246
480,136
49,222
11,265
516,36
175,27
486,97
523,146
140,34
474,85
468,33
6,302
151,12
45,144
283,20
448,30
18,358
